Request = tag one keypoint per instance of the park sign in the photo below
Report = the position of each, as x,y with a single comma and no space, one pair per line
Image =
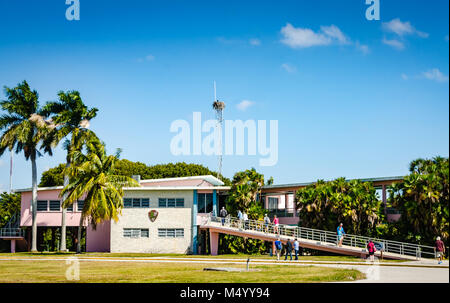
379,246
153,214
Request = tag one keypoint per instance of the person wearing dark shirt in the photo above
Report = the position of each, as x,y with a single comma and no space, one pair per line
288,250
223,214
440,249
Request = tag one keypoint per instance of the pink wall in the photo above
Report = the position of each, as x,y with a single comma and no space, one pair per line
46,218
99,240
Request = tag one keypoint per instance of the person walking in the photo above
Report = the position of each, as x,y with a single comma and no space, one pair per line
340,234
296,248
245,218
288,249
276,222
440,249
266,223
239,219
223,215
278,248
371,249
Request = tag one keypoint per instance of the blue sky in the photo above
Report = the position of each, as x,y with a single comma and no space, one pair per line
353,97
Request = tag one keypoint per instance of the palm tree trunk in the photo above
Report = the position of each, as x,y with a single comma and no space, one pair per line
63,214
34,204
79,235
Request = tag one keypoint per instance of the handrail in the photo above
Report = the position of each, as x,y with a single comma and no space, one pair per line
324,236
11,232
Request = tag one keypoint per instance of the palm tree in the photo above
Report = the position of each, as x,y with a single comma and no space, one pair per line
24,127
92,177
72,117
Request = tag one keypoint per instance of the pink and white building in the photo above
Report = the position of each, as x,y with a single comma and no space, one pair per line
178,202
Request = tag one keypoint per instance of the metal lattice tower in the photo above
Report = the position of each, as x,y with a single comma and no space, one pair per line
218,107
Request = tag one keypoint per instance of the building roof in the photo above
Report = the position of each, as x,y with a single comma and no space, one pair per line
217,184
379,179
209,178
178,188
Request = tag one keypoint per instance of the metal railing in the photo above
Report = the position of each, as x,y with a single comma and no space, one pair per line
324,237
11,233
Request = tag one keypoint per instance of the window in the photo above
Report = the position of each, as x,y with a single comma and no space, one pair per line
42,205
135,232
144,233
69,208
127,202
205,203
136,202
80,205
145,202
170,232
273,203
171,202
55,205
180,203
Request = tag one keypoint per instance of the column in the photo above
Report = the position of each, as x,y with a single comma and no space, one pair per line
215,210
13,245
214,242
194,224
383,194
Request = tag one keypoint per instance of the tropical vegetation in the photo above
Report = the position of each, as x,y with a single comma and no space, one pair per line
54,176
24,128
71,117
92,179
323,205
423,200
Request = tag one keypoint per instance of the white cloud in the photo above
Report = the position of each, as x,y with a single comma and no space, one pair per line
244,104
362,48
327,35
402,28
149,57
302,37
255,42
404,76
435,75
289,68
334,32
394,43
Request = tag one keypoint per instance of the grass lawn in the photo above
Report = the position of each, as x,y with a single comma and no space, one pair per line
144,255
113,272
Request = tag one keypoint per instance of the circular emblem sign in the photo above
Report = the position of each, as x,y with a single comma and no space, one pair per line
153,214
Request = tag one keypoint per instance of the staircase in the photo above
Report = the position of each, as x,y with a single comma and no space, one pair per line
317,239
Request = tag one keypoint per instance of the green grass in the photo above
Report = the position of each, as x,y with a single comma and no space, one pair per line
117,272
145,255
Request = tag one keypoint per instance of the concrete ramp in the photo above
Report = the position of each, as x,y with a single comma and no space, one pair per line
311,238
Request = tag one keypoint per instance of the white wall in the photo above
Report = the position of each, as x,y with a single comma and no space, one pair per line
167,218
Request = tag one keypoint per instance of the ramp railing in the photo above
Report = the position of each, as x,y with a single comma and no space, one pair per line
324,237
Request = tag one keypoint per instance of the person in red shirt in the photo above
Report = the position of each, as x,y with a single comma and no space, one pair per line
371,249
440,249
276,222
